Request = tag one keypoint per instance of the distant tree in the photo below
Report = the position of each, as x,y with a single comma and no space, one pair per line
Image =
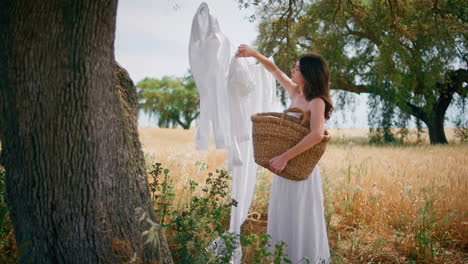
411,54
173,100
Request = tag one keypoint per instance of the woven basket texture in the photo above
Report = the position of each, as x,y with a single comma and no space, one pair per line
255,223
275,133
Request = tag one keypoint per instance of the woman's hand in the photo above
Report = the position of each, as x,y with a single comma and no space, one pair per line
245,51
278,163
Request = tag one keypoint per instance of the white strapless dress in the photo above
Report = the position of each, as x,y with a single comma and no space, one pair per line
296,216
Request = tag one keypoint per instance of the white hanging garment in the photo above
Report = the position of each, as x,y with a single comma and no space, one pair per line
228,109
209,54
269,101
240,85
240,80
260,98
244,78
265,92
244,177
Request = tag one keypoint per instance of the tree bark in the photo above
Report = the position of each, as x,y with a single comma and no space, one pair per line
436,132
76,181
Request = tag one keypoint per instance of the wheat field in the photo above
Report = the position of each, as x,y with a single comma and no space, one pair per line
384,203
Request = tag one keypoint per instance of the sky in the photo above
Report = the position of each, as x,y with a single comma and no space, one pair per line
152,35
152,38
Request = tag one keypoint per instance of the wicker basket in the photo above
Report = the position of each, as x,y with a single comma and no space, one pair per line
255,223
275,133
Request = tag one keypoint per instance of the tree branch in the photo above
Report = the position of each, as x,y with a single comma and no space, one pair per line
453,84
416,111
342,84
182,124
336,11
366,35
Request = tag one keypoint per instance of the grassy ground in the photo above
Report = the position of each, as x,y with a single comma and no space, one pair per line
384,204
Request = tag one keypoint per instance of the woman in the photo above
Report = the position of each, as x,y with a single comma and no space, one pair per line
295,211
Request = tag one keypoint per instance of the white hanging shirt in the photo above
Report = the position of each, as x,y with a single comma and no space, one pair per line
240,85
240,80
209,53
261,98
229,95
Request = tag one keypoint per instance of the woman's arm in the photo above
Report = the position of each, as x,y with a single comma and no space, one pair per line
283,79
317,127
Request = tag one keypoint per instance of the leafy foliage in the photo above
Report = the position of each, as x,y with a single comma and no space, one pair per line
259,246
191,229
411,54
203,218
173,100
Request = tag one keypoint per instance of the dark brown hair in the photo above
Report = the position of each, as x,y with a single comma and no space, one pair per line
315,71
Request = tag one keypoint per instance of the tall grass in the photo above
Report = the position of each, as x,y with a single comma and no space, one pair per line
387,204
383,203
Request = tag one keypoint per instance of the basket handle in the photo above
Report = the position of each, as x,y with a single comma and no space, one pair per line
326,137
254,216
304,115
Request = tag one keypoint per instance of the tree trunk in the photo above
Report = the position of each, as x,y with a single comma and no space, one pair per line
76,181
435,124
434,121
433,117
435,128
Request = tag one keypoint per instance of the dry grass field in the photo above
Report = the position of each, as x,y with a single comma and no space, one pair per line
384,204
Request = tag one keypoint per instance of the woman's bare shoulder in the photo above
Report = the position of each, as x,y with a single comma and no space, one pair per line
316,103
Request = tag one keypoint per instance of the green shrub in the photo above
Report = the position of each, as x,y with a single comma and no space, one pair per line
202,218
